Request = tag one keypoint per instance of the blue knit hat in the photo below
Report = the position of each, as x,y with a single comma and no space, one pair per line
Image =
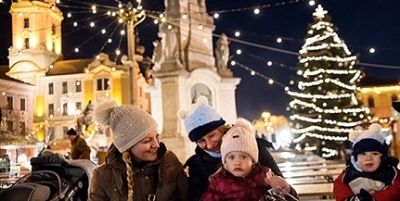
200,119
368,140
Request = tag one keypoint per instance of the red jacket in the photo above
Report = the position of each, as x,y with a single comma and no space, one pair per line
226,187
343,191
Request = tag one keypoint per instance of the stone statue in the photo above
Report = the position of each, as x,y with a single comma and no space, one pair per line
170,45
222,52
158,54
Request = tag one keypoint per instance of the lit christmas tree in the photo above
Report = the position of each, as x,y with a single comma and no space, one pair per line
324,107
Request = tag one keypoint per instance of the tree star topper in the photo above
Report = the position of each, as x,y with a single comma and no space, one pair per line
320,12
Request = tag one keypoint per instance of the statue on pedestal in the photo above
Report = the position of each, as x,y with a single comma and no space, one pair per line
222,55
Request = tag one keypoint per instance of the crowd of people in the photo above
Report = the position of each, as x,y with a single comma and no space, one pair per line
229,163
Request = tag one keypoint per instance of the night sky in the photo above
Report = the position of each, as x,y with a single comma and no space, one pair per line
361,23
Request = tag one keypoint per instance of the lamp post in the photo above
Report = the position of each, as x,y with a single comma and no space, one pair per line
132,16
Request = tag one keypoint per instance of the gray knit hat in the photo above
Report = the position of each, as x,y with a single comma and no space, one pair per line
241,137
129,124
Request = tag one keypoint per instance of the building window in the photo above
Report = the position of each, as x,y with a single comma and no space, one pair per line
26,43
78,105
26,22
22,104
78,86
10,125
51,88
53,29
64,87
10,102
23,128
65,109
371,102
103,84
51,109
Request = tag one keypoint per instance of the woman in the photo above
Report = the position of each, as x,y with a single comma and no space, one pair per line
206,127
138,167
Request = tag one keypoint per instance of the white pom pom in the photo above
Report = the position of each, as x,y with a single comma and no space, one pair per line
102,111
353,135
181,114
202,100
375,128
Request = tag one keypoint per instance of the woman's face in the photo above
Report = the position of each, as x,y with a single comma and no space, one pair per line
146,149
211,141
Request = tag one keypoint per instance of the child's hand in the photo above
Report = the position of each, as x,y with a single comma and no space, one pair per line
277,182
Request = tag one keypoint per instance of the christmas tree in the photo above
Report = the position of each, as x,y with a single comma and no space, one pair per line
324,106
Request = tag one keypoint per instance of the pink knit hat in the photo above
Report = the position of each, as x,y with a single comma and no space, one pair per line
129,124
241,137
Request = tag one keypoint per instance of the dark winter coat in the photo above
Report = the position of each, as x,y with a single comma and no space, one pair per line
387,175
202,166
226,187
80,149
109,182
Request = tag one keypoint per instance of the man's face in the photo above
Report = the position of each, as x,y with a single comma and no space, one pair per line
72,137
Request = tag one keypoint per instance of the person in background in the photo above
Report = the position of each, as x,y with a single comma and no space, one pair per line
206,127
79,147
138,166
372,174
242,177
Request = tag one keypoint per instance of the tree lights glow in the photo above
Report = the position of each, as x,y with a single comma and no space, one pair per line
327,84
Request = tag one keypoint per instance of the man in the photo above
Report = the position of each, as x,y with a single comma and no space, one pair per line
79,148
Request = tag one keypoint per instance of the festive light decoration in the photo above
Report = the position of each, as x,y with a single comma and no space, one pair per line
325,108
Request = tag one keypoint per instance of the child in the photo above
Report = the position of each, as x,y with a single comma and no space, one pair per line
372,174
242,177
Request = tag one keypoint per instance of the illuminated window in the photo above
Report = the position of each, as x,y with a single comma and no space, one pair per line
78,86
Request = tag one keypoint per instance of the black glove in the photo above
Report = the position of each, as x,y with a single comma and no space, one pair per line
365,196
362,196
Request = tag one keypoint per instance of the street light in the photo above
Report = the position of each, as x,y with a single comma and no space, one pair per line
132,16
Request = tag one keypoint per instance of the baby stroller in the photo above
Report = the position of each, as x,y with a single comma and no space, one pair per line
53,178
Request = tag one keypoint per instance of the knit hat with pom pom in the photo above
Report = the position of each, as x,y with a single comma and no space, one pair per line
129,124
241,137
200,119
368,140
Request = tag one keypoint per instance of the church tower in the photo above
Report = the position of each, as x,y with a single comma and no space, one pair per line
185,68
36,38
